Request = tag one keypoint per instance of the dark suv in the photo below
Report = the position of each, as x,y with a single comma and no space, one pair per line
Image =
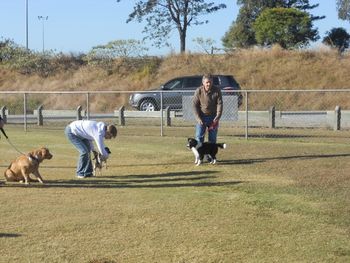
176,88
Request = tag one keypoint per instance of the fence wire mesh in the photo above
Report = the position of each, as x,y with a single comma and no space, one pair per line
246,113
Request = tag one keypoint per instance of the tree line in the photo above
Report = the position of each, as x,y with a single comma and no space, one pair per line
287,23
259,22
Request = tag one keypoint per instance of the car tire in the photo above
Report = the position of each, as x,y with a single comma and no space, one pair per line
147,105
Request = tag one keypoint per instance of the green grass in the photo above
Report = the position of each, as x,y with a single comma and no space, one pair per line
280,199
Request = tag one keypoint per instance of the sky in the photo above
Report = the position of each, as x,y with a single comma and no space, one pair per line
76,26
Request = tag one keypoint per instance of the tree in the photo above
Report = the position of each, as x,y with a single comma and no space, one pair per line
343,7
241,32
162,16
119,48
207,45
338,38
288,27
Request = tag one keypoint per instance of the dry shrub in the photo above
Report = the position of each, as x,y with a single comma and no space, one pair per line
253,69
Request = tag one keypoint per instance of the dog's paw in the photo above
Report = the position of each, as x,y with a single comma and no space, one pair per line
213,161
199,163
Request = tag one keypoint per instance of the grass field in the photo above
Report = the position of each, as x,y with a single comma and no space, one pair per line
269,199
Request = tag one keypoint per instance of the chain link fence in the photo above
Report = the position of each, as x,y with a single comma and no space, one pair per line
246,113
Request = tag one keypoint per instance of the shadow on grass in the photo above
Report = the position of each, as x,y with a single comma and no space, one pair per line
300,157
166,180
285,135
3,235
276,136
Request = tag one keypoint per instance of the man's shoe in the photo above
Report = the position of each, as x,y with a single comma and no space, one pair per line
80,176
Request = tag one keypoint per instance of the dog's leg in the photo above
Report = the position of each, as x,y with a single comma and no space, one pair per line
9,176
94,170
196,155
212,159
200,159
25,176
38,176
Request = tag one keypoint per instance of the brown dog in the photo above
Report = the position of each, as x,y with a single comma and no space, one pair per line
20,169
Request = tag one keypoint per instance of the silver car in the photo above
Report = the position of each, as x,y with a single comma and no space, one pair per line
176,88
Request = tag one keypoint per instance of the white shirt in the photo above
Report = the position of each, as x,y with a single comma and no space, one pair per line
93,131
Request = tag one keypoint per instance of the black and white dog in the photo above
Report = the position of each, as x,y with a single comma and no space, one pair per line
201,149
98,163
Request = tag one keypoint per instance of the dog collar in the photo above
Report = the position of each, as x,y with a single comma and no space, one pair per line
33,158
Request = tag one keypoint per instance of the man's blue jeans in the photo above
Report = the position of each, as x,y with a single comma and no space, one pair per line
200,130
84,166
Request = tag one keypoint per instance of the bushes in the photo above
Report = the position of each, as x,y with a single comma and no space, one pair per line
26,61
48,64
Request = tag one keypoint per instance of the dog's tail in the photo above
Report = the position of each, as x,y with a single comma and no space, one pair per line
222,145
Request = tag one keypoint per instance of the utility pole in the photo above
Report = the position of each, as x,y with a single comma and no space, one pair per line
43,19
26,18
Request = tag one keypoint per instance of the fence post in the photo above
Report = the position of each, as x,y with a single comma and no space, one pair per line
168,119
3,114
79,109
246,115
40,116
337,123
272,117
25,111
161,114
88,105
121,116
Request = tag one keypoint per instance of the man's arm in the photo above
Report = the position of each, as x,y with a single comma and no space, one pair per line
219,106
196,106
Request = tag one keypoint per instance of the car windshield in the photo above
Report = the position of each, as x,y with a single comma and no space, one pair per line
173,84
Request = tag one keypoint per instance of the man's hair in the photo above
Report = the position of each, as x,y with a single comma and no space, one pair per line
112,130
207,76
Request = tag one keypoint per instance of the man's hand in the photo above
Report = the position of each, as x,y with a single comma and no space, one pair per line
213,125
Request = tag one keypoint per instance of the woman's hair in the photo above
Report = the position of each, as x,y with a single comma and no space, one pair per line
112,130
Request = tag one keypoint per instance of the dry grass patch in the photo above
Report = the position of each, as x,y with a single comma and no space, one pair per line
153,205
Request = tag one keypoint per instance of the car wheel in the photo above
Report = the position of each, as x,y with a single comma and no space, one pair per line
147,105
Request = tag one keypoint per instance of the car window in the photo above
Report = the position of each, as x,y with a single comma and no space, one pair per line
192,83
173,84
216,81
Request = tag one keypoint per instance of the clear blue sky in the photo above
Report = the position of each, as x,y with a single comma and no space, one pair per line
78,25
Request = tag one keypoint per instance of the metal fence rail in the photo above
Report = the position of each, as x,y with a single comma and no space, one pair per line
258,108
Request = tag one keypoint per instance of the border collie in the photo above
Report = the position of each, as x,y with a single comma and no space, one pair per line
206,148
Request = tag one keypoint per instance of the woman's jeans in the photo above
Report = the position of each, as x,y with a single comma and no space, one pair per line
84,166
200,129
